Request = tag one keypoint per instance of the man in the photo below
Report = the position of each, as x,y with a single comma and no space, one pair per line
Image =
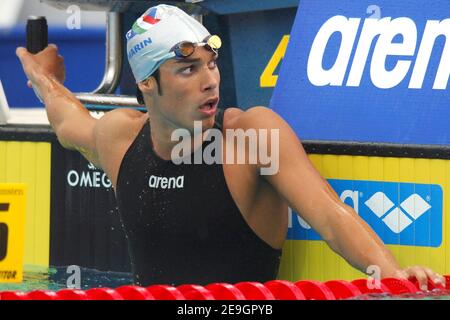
200,223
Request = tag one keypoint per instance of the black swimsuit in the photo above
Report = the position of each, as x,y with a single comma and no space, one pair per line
182,224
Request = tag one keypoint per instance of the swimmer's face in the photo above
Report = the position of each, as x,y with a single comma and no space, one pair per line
190,90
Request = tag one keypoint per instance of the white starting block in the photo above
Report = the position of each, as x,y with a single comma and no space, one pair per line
19,115
4,108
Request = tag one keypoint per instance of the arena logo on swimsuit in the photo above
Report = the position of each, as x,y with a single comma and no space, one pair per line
156,182
385,32
400,213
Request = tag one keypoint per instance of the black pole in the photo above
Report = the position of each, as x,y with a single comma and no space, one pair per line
37,34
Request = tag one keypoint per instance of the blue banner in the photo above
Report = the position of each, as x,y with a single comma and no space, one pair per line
400,213
355,71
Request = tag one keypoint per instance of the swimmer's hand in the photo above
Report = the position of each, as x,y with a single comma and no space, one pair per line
422,275
47,64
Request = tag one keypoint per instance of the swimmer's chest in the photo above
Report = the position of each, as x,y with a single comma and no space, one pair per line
185,198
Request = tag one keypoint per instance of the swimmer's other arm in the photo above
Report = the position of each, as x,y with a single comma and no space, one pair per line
70,120
311,196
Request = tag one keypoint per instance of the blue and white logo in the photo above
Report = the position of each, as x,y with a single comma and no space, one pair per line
400,213
355,71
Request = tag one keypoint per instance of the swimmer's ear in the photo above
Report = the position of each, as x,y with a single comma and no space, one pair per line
148,86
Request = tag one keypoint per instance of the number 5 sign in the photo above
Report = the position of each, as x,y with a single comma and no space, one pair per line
12,231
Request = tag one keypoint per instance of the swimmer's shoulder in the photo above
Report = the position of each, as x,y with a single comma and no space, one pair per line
123,115
116,130
114,133
254,117
120,124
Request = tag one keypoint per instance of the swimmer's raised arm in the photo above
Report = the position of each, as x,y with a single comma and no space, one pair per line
312,197
71,121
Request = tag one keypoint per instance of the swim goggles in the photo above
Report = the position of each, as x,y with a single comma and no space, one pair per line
186,48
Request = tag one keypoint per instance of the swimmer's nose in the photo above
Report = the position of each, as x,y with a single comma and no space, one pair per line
210,80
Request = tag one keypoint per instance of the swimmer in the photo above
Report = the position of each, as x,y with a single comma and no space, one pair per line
200,223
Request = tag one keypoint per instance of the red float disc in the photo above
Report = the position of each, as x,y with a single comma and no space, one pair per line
343,289
72,294
164,292
447,282
103,294
14,295
255,291
431,285
195,292
135,293
399,286
284,290
365,287
225,291
42,295
315,290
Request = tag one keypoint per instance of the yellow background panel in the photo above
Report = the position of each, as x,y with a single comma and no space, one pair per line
11,264
303,259
29,163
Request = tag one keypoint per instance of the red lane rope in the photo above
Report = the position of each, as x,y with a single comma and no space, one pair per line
271,290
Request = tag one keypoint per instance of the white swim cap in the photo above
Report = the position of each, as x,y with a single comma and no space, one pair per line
157,31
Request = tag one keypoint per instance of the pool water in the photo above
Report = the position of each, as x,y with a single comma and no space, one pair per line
436,294
57,278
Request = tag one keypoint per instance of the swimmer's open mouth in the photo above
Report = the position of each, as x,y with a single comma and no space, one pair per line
210,105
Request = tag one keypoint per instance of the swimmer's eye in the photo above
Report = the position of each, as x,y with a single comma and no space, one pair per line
187,70
212,64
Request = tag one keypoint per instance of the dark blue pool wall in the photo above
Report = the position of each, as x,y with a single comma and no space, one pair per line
83,51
